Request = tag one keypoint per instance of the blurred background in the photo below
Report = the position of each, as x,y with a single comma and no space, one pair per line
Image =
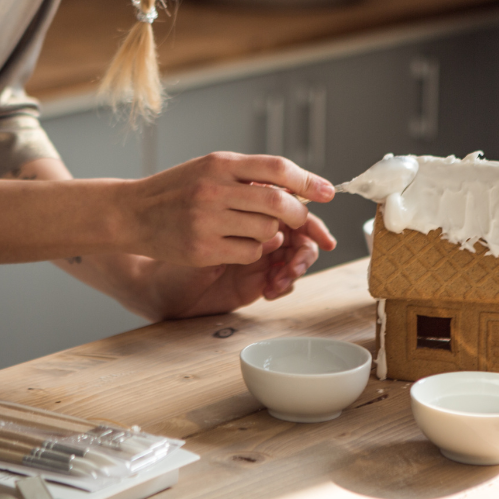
333,85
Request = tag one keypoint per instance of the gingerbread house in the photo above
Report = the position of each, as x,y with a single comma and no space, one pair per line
435,263
440,304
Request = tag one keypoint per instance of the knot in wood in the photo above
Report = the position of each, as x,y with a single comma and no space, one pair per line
225,332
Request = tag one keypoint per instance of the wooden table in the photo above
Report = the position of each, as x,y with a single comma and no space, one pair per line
182,379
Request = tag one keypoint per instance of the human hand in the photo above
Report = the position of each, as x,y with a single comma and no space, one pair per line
170,291
136,221
300,249
214,210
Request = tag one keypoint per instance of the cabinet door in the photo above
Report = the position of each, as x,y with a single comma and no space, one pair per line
239,116
93,145
43,309
467,88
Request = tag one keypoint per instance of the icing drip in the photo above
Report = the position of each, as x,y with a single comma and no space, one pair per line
381,369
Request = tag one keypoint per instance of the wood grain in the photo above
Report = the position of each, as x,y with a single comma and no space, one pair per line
84,35
182,379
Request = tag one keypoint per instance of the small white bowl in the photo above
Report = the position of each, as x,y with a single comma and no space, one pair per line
459,412
305,380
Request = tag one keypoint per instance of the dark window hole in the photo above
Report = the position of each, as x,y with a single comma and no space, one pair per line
434,332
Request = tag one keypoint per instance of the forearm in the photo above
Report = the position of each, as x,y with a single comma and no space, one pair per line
57,219
111,273
121,276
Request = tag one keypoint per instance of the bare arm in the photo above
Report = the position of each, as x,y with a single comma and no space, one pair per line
54,219
128,238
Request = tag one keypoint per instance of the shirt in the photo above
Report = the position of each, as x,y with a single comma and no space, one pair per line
23,25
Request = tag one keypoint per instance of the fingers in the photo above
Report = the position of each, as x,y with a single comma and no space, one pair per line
290,264
233,250
317,230
314,228
207,212
256,226
282,172
273,244
298,252
244,251
275,203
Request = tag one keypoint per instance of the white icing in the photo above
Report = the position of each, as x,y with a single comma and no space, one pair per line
381,369
391,175
424,193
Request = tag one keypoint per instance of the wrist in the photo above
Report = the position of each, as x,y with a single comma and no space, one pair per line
126,227
100,215
48,220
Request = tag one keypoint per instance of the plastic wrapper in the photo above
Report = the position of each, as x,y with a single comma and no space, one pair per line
75,451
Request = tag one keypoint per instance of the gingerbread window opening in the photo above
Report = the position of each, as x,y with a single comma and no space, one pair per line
434,332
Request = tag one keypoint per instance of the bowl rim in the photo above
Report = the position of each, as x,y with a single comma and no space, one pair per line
305,375
472,374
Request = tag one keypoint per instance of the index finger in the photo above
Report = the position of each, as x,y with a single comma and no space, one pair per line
283,172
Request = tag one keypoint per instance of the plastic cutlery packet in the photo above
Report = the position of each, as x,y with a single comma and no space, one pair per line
75,451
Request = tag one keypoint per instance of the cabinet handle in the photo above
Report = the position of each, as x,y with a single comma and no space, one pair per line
271,108
426,72
275,125
309,127
316,157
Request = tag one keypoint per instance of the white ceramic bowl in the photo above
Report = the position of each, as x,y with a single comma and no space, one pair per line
305,380
459,412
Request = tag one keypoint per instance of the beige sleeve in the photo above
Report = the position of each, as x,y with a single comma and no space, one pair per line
22,139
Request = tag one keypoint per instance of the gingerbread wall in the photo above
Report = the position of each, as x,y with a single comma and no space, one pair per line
412,265
413,352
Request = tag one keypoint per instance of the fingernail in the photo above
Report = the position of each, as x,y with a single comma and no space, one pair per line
300,269
283,283
327,190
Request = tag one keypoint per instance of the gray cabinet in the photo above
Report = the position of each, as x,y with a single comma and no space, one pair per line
230,116
467,94
93,145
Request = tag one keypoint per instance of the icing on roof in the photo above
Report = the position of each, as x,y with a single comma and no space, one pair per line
459,196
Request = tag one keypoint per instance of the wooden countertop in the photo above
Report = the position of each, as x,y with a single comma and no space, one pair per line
84,35
182,379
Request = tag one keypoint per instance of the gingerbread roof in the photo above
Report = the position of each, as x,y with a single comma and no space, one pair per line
412,265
